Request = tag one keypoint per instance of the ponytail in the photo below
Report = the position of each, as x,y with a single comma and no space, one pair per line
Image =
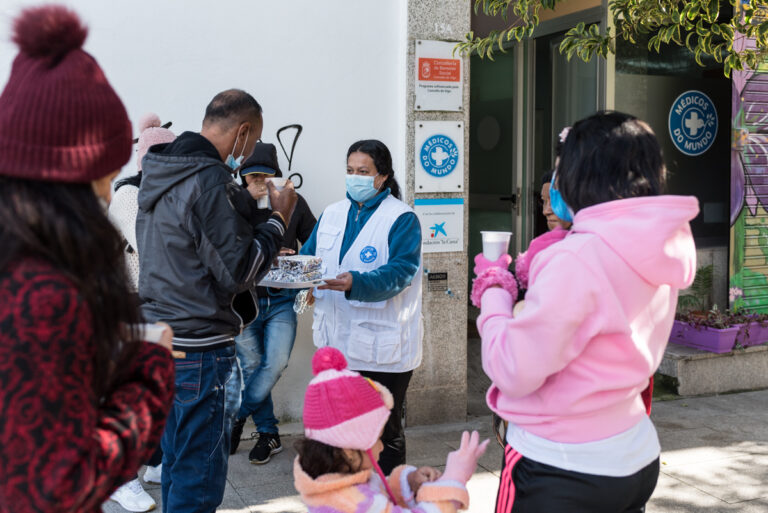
394,188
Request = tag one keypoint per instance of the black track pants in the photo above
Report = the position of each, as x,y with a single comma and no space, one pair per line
527,486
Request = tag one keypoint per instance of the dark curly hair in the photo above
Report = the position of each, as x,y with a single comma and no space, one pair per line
317,458
382,159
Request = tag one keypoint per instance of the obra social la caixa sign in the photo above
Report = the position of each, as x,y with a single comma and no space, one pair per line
439,156
442,224
693,123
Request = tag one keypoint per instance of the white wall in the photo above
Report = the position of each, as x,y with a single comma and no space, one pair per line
331,66
336,67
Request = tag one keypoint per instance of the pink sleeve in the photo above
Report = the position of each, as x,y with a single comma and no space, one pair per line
558,320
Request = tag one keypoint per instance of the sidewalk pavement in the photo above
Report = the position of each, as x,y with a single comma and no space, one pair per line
714,459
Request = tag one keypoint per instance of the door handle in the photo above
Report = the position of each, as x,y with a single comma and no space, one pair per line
512,199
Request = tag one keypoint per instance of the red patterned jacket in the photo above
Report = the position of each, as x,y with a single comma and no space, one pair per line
59,450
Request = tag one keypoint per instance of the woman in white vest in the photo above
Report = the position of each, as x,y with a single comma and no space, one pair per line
371,311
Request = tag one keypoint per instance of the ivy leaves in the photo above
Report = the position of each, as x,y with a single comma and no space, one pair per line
523,16
698,25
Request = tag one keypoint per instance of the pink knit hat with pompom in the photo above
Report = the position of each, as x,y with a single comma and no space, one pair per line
342,408
151,132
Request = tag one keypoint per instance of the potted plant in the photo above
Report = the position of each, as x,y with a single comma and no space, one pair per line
698,326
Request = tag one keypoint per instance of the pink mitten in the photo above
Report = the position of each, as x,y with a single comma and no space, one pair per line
540,243
493,276
482,263
462,462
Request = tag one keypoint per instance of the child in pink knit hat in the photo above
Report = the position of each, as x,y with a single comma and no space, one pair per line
337,470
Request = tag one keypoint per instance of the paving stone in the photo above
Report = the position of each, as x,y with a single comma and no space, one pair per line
731,480
243,474
715,451
276,497
425,450
232,503
674,496
699,445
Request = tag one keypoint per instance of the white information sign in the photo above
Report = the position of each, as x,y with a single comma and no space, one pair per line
442,224
439,73
439,154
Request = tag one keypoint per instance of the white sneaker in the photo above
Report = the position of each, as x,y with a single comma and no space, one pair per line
132,497
153,474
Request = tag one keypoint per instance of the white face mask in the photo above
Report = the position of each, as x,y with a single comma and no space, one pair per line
233,162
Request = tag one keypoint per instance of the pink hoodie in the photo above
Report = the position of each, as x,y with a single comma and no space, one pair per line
571,366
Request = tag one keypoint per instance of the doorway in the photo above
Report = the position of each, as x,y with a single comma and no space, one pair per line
564,91
493,195
519,103
493,187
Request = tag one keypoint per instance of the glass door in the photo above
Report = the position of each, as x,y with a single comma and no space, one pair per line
564,91
493,194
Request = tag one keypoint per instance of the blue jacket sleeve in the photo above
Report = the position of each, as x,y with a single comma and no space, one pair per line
308,248
404,259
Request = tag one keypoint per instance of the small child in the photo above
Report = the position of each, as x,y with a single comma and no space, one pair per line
336,470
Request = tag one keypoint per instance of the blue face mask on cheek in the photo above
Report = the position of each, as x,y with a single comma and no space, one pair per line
559,207
360,188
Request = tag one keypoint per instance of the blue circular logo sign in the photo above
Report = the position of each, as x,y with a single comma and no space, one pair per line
693,123
439,155
368,254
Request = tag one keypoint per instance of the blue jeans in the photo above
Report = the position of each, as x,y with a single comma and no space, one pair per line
263,350
197,435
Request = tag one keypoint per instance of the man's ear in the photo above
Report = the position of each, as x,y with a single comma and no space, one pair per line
245,128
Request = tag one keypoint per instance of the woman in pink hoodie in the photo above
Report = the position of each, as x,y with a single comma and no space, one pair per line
569,367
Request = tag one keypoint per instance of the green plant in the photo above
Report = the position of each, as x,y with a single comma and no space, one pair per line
723,319
698,25
698,295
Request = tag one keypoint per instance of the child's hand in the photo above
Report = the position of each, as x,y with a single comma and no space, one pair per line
462,462
422,475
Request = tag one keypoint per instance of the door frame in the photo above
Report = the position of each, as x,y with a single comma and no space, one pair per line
525,81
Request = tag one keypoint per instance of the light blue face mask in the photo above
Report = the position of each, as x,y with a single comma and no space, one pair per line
360,188
233,162
559,207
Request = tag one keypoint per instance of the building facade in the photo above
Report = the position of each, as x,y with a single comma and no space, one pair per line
356,70
344,71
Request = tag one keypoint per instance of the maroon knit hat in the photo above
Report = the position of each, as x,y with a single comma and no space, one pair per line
60,120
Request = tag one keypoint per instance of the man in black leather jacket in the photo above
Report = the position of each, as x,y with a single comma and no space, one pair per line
197,255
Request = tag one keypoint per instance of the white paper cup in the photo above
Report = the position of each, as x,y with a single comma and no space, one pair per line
263,202
150,332
495,244
278,182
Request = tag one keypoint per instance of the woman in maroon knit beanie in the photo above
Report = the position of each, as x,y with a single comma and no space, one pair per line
83,401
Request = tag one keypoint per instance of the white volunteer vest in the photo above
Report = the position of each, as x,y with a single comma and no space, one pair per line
384,336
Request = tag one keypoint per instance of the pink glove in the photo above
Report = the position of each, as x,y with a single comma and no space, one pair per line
492,277
540,243
482,263
462,462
